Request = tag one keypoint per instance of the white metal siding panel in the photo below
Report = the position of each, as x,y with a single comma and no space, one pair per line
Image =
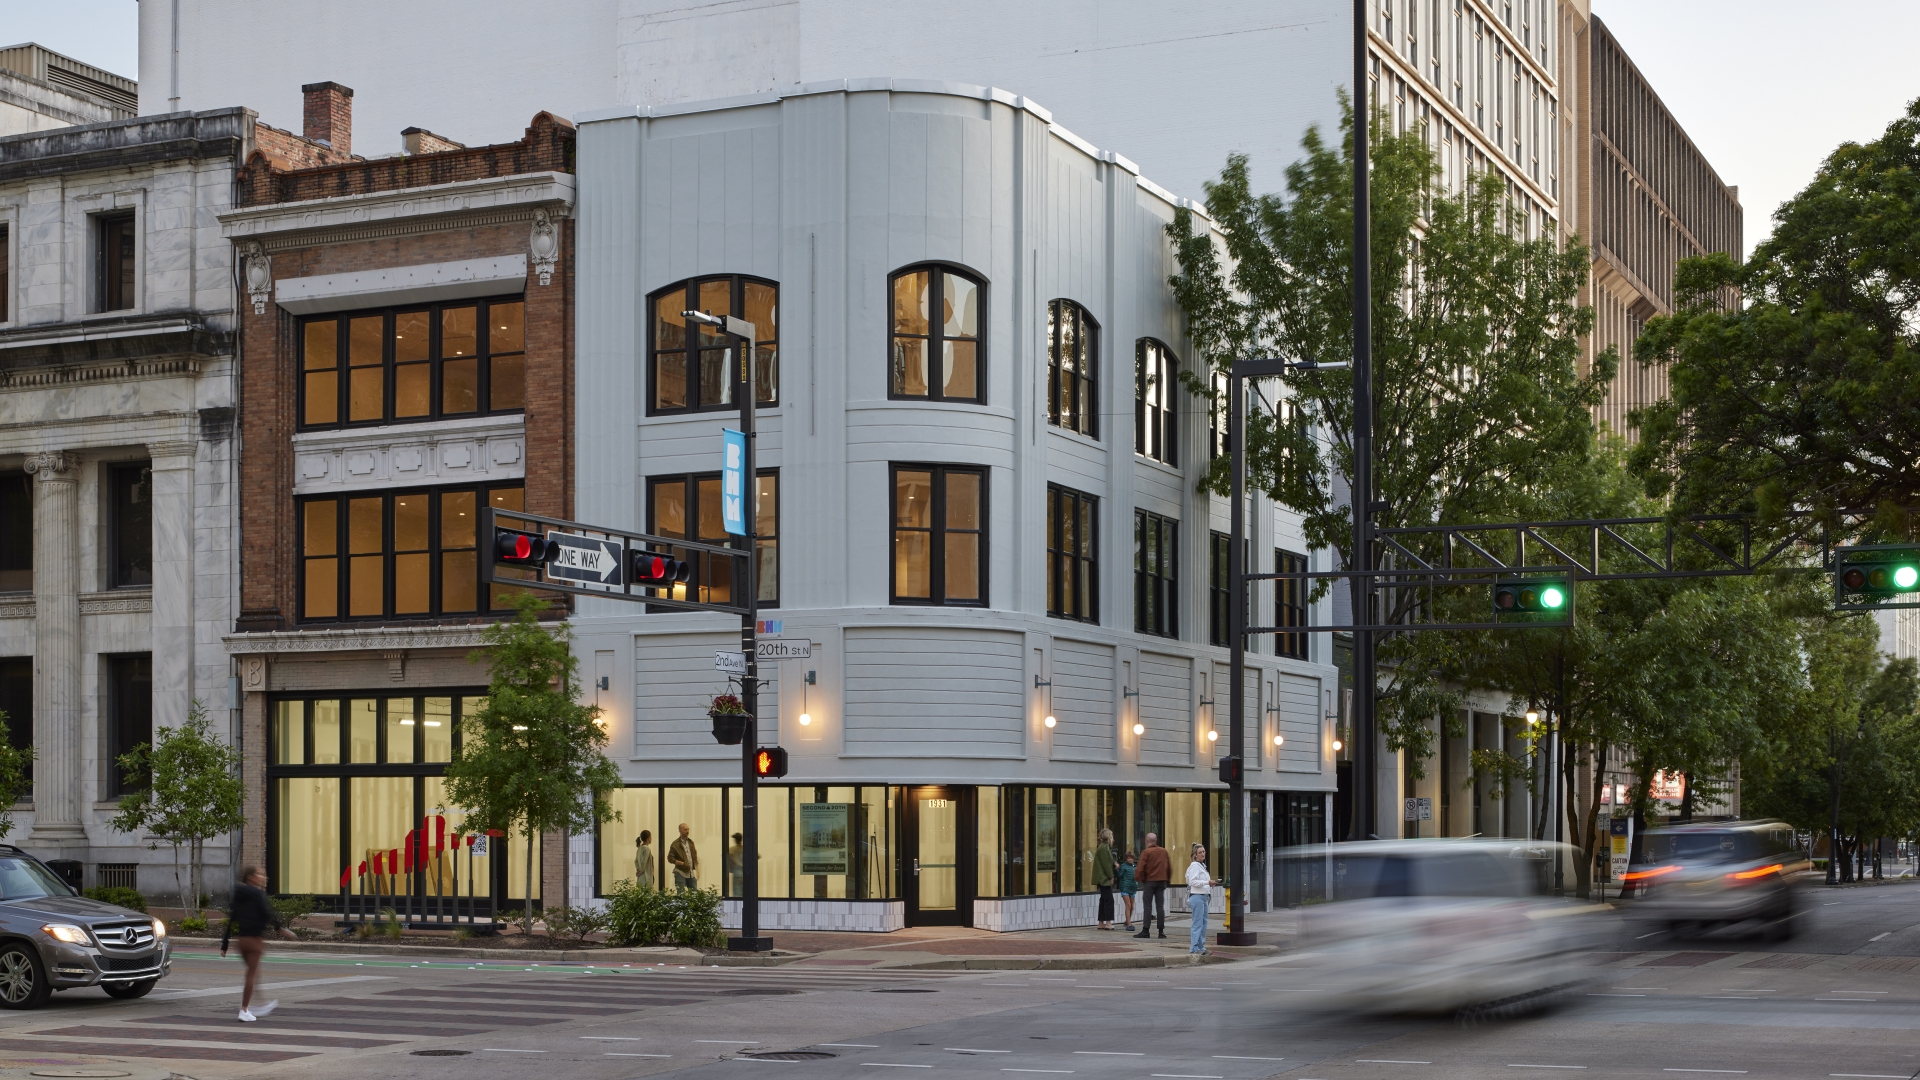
1299,701
1165,710
673,679
946,692
1083,701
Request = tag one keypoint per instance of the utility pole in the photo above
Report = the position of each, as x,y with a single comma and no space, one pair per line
1365,742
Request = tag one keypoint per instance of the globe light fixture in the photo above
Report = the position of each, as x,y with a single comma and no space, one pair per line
1050,721
1212,736
1139,729
1279,740
1338,746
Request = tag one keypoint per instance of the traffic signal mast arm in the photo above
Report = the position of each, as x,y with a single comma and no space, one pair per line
649,566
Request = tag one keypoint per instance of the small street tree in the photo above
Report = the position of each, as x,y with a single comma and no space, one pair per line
532,757
188,790
15,779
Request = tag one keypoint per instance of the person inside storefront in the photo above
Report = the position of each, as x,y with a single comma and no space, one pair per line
644,873
736,860
685,860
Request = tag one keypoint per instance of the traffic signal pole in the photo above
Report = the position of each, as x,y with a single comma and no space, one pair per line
1235,932
744,334
1361,557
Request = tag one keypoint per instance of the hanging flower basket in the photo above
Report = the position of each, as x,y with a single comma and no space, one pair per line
730,719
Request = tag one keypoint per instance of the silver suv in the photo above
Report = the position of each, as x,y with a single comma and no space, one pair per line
51,939
1730,876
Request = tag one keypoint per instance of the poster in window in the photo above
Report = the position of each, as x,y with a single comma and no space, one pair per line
1046,838
823,838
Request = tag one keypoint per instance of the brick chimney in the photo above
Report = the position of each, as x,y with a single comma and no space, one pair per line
328,117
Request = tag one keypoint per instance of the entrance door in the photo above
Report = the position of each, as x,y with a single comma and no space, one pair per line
938,856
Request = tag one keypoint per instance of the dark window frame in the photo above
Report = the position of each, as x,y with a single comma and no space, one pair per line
1073,578
121,676
1289,603
1156,424
6,272
1082,384
1217,416
937,530
116,542
16,538
483,358
703,563
936,335
767,388
1219,588
16,683
484,605
1156,589
115,283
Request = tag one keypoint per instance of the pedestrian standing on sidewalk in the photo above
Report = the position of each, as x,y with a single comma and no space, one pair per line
1124,875
247,920
1154,871
1103,877
1200,883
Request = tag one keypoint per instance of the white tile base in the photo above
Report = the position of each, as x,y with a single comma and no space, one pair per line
867,916
1007,914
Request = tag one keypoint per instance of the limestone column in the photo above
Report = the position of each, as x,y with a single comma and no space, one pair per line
56,650
173,630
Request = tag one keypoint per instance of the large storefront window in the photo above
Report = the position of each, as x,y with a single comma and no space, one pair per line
357,803
830,843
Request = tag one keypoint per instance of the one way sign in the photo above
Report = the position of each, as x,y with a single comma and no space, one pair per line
584,559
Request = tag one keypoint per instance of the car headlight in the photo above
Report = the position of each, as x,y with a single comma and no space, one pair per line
159,929
72,935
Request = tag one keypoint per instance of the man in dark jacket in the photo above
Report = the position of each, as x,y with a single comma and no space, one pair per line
247,920
1153,872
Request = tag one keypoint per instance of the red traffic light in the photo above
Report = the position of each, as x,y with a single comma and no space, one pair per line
659,571
1229,770
769,762
521,549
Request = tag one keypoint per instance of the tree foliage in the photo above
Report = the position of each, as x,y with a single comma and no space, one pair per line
532,758
1804,394
188,792
16,781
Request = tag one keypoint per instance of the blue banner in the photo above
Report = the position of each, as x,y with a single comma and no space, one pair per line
733,483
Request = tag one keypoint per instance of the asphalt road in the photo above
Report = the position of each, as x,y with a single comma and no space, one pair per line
1841,1000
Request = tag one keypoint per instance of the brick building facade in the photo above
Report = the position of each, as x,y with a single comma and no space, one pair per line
406,358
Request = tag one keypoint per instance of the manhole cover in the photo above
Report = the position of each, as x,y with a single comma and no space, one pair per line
906,990
790,1055
441,1053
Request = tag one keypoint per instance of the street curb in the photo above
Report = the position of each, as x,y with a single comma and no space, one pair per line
1052,963
655,955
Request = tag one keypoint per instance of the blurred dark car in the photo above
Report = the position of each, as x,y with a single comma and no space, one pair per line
1437,926
1728,876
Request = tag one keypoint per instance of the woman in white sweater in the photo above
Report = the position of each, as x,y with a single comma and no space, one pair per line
1200,885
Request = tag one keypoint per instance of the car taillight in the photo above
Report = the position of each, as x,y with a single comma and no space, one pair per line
1749,875
1644,875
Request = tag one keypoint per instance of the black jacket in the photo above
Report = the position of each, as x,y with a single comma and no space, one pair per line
250,914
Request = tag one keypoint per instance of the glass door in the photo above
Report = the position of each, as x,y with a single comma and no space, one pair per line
938,855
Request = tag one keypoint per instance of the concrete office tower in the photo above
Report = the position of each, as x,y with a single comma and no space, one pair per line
41,89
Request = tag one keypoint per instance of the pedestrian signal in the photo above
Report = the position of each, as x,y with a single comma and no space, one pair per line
651,569
522,549
770,762
1229,770
1535,596
1877,575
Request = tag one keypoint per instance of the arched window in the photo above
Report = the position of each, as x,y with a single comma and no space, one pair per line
1156,401
696,374
1073,352
937,327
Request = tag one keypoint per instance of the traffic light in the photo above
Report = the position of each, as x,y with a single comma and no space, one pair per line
1229,770
522,549
653,570
770,762
1533,596
1876,574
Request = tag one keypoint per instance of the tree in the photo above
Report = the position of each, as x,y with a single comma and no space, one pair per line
1802,395
1480,405
189,791
15,779
531,757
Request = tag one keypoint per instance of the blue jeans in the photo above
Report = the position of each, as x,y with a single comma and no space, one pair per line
1198,905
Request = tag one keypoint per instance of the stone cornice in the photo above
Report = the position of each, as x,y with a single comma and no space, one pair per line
116,602
113,350
373,639
462,204
17,606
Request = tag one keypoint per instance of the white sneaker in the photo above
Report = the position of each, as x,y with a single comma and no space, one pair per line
262,1010
246,1017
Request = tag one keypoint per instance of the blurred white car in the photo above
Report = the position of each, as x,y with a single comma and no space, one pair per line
1732,876
1437,926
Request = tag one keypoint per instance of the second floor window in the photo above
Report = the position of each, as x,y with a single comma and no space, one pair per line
129,708
940,535
694,372
114,261
1073,353
130,525
688,508
1219,589
1289,603
936,336
1155,402
406,554
16,532
1156,562
1073,578
427,363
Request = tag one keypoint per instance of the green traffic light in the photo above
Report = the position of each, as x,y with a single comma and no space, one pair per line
1552,598
1905,577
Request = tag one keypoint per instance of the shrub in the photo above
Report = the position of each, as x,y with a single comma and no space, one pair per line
637,915
387,926
195,926
696,918
117,895
292,908
570,924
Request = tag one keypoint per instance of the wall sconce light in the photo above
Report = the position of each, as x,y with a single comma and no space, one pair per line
1338,746
1279,740
1139,728
805,717
1213,735
1039,682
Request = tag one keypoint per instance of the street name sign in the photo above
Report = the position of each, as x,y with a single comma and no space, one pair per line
585,559
777,648
733,663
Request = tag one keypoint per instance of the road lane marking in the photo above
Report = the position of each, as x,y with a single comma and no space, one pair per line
731,1042
1244,1057
1038,1070
1389,1061
216,991
649,1055
960,1050
1877,937
1511,1066
1728,997
1616,995
613,1038
1101,986
1112,1053
1738,990
1639,988
1729,1072
1859,991
892,1065
1874,1076
500,1050
852,1046
1188,1076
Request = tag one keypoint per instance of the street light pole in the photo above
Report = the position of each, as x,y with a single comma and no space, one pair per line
1365,745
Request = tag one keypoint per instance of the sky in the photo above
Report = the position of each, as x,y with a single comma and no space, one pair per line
1766,88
